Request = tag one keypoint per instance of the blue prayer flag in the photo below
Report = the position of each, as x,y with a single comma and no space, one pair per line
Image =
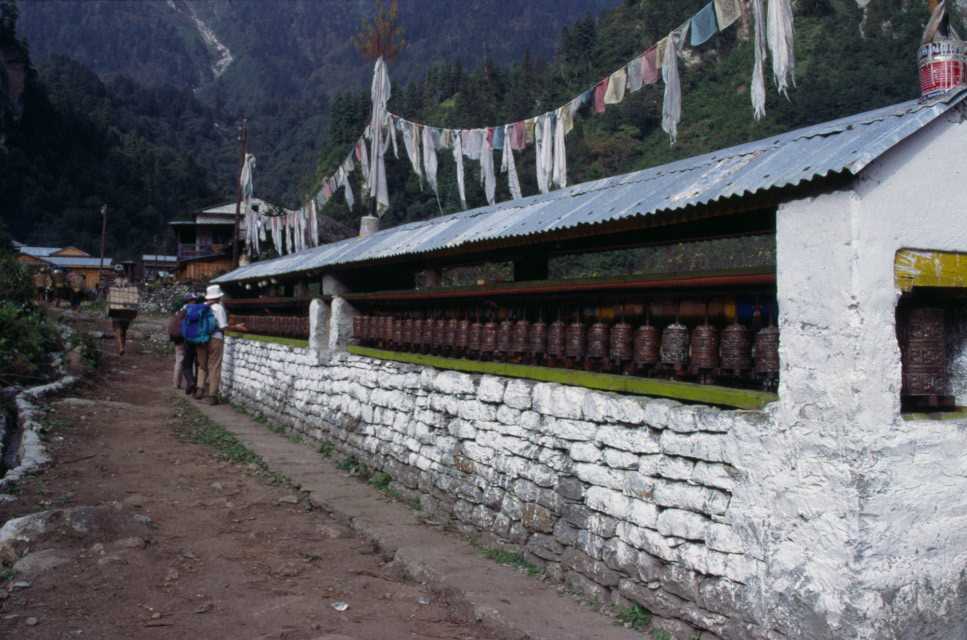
704,25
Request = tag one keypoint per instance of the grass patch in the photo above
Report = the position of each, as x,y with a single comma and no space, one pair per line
326,449
352,466
381,480
198,429
7,574
634,617
513,559
661,634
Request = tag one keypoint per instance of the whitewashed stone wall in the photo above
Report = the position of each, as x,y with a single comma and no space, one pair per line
622,498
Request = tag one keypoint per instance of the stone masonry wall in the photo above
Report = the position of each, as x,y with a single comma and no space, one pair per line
621,498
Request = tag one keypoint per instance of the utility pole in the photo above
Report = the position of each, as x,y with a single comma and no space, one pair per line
243,140
100,270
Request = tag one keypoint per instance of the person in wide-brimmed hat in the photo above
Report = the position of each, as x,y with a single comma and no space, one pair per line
210,376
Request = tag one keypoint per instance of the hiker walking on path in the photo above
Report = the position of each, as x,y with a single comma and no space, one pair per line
197,325
174,334
208,385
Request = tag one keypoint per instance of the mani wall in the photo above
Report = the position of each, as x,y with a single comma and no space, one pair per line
827,515
622,498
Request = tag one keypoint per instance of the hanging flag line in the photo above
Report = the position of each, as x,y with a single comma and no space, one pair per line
421,141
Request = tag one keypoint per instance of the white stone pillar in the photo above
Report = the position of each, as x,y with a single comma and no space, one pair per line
340,324
318,326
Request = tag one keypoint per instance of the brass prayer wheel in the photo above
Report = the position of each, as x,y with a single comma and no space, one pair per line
598,341
674,347
555,339
521,332
537,339
621,338
767,350
358,328
705,348
473,337
735,349
923,355
397,332
646,346
386,329
463,334
574,341
488,339
505,336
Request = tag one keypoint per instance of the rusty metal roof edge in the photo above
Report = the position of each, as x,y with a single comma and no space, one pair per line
463,229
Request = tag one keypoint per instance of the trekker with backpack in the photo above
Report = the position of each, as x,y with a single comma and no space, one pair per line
174,335
197,327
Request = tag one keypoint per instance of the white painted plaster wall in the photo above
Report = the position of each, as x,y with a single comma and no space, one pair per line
867,537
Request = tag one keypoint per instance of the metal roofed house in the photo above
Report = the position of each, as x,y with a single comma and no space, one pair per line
87,266
763,169
154,264
756,453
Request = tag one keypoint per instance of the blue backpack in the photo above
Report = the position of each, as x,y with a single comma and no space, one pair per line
199,324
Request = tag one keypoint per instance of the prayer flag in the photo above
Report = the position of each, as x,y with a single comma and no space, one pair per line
727,12
704,25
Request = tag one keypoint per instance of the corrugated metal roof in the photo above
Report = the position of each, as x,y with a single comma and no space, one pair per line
789,159
149,257
75,261
38,252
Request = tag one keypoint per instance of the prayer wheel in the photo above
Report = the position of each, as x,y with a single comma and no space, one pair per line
537,339
923,353
358,323
407,333
767,351
735,349
505,337
386,330
705,351
646,346
439,335
519,344
462,337
574,341
417,337
621,338
555,340
598,341
473,337
674,347
488,339
397,332
451,335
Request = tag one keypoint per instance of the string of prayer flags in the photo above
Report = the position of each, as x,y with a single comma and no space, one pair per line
773,34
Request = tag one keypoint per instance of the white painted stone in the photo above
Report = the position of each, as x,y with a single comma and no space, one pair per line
585,452
682,524
569,429
636,440
609,502
657,412
618,459
600,476
723,538
643,514
676,468
714,475
699,446
509,416
694,498
454,383
517,395
491,389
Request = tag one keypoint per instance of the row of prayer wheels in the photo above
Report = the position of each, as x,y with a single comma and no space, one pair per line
703,353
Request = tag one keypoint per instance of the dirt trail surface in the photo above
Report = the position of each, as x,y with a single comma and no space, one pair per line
154,535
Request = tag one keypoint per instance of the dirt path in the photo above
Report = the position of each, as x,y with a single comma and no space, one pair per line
158,536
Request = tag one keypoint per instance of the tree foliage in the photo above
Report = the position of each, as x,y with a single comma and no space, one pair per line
381,36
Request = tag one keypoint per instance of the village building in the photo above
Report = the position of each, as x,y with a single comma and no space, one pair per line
65,260
204,241
153,266
797,470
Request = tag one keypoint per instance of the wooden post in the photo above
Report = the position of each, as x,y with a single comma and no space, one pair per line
100,269
243,139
